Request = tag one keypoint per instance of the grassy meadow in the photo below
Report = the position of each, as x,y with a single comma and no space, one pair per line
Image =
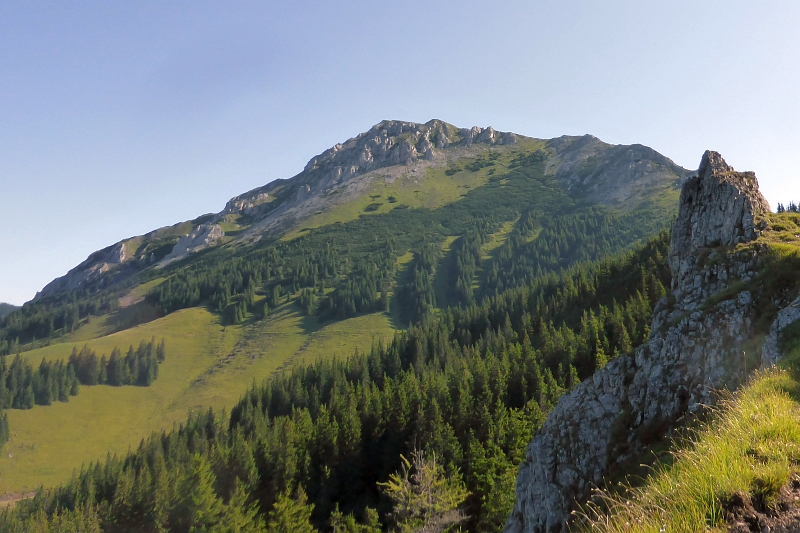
208,365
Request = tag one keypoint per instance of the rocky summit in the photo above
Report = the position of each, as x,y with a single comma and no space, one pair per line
697,343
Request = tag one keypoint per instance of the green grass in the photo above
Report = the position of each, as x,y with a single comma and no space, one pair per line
435,189
140,291
752,445
208,365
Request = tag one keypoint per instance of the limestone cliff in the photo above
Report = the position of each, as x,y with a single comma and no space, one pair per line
696,347
201,237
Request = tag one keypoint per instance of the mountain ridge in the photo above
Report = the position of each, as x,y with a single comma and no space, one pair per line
621,176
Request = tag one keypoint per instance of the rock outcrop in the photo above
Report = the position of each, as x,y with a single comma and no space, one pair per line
246,204
202,237
770,352
719,207
91,269
393,142
695,348
347,170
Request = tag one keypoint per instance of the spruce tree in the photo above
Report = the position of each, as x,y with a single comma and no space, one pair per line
291,514
199,507
239,516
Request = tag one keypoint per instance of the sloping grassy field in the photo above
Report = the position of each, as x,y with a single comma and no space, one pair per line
207,365
751,448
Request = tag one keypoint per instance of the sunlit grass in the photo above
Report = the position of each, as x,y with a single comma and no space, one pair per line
208,365
752,445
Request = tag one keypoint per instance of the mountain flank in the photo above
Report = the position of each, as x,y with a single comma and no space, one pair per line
7,308
415,159
417,284
705,336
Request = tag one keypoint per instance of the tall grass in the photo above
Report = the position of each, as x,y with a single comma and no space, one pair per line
752,445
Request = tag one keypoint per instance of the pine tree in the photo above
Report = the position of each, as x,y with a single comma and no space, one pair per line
199,506
28,398
423,495
238,516
4,432
161,351
291,515
347,524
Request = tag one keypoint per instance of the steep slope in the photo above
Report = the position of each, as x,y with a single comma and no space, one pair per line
726,288
737,473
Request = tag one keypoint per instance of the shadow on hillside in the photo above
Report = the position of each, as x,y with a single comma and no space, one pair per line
132,316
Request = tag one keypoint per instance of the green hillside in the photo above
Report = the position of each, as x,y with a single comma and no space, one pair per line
484,267
209,365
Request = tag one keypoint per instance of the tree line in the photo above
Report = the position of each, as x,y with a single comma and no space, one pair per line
137,367
22,386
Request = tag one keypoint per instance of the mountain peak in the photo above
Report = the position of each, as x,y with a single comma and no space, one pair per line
395,142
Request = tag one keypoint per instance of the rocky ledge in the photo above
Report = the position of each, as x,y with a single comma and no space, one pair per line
696,347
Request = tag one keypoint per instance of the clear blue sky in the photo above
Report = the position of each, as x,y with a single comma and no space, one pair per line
120,117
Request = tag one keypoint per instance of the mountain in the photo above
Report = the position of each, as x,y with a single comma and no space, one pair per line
421,245
503,410
7,308
396,157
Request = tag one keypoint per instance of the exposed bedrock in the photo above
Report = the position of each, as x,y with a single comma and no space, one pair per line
695,348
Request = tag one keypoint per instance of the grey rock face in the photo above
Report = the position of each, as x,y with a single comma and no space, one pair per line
770,354
348,169
718,207
202,237
95,265
393,142
692,351
246,204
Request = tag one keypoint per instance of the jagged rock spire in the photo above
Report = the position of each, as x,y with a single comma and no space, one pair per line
718,207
